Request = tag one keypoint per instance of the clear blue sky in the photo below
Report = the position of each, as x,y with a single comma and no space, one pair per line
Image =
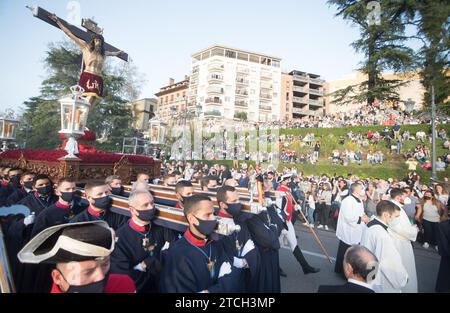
161,35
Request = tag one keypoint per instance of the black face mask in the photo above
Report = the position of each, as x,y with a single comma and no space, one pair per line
15,180
45,191
146,215
213,189
28,184
183,199
103,202
427,198
97,287
68,196
206,227
234,208
117,190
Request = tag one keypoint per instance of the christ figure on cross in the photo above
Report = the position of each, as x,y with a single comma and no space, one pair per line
94,56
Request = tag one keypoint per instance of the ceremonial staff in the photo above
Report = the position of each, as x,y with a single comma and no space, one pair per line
313,233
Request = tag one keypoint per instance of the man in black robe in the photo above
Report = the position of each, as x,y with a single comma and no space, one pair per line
115,183
98,195
20,230
139,243
26,187
58,213
63,210
239,246
12,186
443,239
195,263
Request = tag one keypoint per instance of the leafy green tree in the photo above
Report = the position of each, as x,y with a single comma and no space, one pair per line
383,46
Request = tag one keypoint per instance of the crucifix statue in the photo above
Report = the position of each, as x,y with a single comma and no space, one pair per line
94,49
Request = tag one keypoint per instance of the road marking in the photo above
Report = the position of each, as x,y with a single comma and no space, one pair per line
319,255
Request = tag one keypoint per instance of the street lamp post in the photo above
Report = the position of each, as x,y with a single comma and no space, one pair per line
433,135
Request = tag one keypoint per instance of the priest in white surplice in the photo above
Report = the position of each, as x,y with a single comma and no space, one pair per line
351,222
392,275
404,233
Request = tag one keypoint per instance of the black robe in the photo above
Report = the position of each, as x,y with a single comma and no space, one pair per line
5,192
129,252
443,239
16,196
56,214
186,269
19,235
250,275
265,234
114,220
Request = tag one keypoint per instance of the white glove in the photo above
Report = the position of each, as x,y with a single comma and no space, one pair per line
29,219
249,246
225,269
166,246
297,207
240,262
139,268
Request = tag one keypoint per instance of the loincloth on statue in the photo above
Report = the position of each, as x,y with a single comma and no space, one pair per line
92,84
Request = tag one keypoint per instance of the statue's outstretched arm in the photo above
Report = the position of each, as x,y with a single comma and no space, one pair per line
67,31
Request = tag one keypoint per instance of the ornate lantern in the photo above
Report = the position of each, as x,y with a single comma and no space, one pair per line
9,124
74,113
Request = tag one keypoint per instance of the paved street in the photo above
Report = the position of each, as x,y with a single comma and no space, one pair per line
427,263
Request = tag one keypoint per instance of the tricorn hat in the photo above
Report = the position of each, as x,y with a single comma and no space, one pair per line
73,242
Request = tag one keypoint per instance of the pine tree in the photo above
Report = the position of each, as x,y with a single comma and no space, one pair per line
383,46
433,25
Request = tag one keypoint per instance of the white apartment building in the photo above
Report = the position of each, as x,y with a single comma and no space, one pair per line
229,82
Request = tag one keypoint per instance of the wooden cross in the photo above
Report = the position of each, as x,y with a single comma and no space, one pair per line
91,27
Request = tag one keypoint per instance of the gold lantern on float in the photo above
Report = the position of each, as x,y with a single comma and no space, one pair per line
74,114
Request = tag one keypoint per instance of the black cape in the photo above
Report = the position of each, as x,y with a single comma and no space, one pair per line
186,269
443,239
114,220
265,235
18,236
130,251
233,246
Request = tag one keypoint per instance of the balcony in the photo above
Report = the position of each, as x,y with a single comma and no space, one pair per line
266,74
241,81
215,90
214,101
241,93
317,103
316,92
215,78
242,104
299,100
300,89
316,81
265,107
300,111
265,96
216,67
242,70
302,78
266,85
